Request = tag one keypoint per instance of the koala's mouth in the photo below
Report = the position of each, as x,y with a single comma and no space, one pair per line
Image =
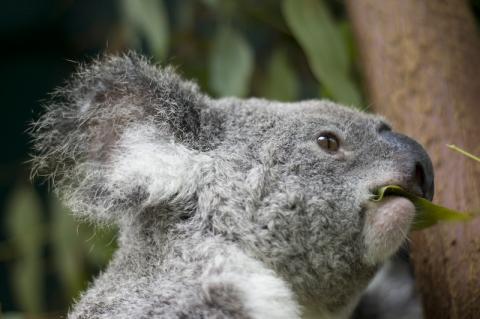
387,223
393,208
383,190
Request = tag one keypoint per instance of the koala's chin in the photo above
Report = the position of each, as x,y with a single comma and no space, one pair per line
387,224
226,208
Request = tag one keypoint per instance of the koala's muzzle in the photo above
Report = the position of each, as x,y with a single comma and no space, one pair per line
414,163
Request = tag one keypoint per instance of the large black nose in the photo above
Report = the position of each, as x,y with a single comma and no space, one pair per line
413,161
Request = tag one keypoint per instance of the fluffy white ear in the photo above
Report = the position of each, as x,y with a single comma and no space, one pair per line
155,168
121,136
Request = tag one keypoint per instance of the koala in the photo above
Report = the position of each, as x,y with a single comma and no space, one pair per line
226,208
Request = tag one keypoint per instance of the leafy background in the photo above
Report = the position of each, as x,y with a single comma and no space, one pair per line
285,50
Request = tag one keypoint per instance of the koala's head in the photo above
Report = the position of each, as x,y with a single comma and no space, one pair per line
302,198
289,183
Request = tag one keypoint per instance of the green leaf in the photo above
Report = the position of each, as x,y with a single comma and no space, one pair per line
67,248
428,214
323,43
231,64
24,225
281,81
147,18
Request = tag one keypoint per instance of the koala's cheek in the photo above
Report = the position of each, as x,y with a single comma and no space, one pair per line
386,227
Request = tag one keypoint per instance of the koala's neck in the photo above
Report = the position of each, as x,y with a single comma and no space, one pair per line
234,252
210,263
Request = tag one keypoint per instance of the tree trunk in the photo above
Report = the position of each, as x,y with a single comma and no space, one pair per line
421,61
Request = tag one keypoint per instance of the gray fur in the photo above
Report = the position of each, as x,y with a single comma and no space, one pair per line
226,208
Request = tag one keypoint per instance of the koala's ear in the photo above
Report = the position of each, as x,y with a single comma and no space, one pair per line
121,136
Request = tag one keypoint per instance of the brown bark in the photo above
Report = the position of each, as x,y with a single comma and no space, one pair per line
421,61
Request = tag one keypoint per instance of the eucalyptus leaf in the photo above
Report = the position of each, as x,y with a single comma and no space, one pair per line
26,231
322,41
148,19
428,214
281,81
231,64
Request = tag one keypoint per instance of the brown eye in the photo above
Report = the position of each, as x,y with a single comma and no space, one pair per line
328,142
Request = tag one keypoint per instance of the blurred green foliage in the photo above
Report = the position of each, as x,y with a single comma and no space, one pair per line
325,46
231,63
234,48
26,231
149,19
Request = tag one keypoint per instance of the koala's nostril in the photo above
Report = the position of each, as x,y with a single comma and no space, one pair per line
420,179
422,175
423,178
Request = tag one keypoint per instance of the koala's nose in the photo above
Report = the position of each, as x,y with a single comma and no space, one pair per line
414,162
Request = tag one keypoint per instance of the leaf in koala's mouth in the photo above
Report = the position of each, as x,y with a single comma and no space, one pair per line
428,214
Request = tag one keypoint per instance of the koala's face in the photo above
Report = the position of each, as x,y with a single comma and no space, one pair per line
309,170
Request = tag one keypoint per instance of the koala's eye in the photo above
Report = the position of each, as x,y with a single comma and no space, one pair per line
328,142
